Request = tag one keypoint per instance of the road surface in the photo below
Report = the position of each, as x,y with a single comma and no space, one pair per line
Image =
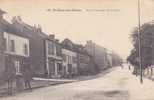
119,84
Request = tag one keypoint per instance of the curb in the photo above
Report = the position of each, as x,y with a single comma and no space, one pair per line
5,94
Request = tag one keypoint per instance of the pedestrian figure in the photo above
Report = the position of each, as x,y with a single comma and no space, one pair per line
129,67
27,74
19,82
122,66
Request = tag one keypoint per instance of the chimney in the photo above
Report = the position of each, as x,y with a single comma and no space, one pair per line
52,36
39,28
19,19
16,19
34,28
57,40
89,42
1,14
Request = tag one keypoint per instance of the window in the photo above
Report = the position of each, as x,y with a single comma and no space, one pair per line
58,50
70,59
64,57
12,46
59,67
25,49
51,48
84,58
5,44
74,60
17,66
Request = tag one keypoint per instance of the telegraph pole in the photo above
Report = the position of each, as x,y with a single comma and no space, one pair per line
139,41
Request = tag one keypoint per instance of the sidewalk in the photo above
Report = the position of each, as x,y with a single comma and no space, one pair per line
35,83
149,77
53,80
147,74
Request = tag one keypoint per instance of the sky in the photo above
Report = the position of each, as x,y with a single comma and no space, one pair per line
108,23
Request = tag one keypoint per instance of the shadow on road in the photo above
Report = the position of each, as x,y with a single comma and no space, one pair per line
103,95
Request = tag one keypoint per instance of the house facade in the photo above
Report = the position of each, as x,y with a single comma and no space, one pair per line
109,58
69,56
16,52
3,25
98,53
36,37
69,62
86,64
2,61
14,49
53,58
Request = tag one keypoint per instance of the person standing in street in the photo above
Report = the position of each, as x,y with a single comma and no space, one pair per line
122,66
27,75
129,67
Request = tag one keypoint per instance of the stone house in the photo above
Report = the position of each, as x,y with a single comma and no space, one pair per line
36,44
53,57
98,53
69,56
14,50
3,27
86,64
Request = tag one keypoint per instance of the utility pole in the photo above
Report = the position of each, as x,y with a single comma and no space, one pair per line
94,51
139,41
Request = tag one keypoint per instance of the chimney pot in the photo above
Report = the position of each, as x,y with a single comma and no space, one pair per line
52,36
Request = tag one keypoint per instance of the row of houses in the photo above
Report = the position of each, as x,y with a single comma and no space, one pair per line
24,45
103,57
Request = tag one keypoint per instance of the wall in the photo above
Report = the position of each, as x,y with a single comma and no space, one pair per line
19,44
53,58
36,45
2,58
83,63
109,57
70,55
98,53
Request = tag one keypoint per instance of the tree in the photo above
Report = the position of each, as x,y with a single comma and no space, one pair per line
146,36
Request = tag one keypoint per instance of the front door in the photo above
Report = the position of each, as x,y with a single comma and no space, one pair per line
51,68
69,68
59,68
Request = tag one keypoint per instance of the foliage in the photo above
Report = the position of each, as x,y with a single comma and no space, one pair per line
146,36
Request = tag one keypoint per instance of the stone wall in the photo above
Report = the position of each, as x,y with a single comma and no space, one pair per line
2,58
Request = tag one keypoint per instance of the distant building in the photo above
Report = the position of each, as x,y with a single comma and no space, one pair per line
86,64
116,59
109,58
53,57
98,53
76,60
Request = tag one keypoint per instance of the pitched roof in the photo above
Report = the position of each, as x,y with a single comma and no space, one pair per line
19,25
2,12
68,44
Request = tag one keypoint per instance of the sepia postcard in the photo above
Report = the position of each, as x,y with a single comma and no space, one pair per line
76,49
